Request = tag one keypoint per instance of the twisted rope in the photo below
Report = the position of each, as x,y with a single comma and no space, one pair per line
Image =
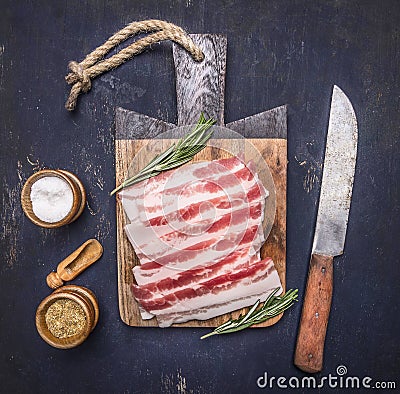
82,73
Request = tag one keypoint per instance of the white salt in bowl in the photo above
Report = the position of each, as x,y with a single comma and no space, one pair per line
76,206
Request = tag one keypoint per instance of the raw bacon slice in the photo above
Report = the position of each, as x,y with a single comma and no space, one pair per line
197,231
193,184
237,260
195,171
215,298
232,213
213,310
207,234
199,295
191,259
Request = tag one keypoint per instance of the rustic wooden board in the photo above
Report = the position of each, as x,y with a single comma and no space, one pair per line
200,87
274,152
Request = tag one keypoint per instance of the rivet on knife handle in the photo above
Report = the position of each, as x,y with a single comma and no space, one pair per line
314,319
75,263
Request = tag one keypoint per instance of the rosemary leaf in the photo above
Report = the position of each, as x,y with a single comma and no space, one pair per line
252,309
273,306
176,155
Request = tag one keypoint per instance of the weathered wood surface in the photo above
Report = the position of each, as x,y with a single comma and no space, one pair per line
279,52
201,86
273,151
130,125
268,124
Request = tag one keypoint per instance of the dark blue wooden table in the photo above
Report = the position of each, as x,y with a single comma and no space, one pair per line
279,52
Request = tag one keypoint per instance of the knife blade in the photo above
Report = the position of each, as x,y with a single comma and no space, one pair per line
330,230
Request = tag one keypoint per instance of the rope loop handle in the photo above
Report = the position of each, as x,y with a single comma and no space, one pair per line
82,73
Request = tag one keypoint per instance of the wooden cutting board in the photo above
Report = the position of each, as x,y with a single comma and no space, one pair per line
266,131
274,153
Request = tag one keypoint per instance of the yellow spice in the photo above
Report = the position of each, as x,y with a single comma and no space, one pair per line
65,318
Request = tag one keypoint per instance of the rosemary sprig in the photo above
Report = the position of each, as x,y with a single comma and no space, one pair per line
273,306
176,155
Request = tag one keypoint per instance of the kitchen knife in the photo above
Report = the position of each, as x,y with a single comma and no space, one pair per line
330,231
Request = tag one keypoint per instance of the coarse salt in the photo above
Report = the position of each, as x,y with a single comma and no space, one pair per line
52,199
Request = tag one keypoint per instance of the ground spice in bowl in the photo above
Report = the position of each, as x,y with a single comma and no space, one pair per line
65,318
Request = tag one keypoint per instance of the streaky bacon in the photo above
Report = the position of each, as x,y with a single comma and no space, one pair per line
196,255
238,259
216,286
197,231
217,307
233,224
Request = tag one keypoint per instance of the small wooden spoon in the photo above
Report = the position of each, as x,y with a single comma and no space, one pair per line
75,263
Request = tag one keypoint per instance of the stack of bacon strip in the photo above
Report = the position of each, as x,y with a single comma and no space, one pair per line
197,231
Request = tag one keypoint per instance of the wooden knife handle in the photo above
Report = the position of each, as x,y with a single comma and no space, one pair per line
314,318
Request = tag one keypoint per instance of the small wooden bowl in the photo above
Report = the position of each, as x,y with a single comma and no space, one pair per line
82,190
78,192
72,341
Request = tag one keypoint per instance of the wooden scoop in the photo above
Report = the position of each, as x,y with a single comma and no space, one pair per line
75,263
